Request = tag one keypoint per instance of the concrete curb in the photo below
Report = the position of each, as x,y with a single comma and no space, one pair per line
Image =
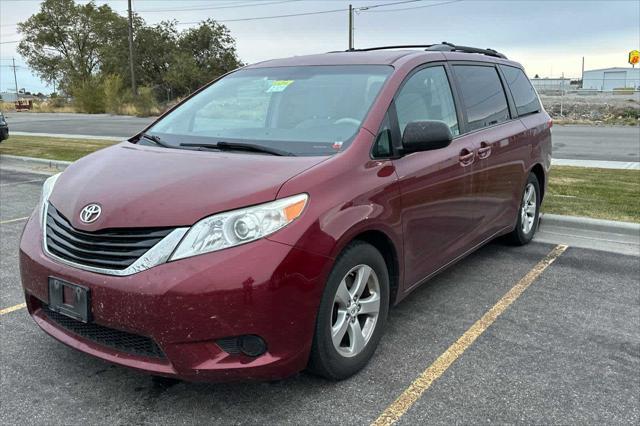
587,223
597,164
16,161
70,136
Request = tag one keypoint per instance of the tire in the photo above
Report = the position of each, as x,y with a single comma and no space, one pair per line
337,310
528,219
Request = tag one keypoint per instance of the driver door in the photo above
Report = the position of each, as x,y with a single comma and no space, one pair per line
436,186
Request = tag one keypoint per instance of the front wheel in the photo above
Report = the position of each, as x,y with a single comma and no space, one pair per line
528,213
352,314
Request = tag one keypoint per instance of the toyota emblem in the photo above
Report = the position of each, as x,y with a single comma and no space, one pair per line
90,213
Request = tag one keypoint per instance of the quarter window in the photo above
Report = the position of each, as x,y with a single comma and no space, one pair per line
522,91
482,95
427,96
382,146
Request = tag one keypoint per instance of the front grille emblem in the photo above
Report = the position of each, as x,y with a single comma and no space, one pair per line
90,213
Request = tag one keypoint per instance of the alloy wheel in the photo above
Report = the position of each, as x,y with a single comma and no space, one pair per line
356,307
528,208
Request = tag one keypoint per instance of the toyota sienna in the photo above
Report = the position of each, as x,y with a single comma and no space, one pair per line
266,224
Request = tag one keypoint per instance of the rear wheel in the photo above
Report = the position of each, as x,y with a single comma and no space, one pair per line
528,213
352,313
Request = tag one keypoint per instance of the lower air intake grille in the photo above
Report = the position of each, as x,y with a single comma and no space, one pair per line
115,339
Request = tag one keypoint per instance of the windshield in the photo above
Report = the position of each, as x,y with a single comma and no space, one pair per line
305,110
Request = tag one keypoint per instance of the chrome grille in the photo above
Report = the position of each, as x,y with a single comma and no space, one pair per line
109,248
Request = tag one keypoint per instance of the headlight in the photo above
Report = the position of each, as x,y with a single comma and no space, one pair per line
47,189
237,227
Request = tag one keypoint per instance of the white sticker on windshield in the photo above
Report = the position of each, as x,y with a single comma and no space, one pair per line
279,85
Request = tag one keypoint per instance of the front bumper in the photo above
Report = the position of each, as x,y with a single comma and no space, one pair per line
264,288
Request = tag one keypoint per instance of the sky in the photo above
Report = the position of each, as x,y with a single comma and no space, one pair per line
548,37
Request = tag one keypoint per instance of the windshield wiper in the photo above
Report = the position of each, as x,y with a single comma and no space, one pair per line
155,139
240,146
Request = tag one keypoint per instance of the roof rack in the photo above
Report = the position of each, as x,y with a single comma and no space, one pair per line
442,47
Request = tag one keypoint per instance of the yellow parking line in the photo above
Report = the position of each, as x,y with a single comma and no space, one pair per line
14,220
13,308
402,404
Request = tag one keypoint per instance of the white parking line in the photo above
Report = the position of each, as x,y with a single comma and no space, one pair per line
21,182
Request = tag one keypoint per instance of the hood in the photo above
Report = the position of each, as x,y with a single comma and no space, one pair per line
139,186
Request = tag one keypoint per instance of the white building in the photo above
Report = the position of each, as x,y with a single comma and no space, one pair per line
8,96
607,79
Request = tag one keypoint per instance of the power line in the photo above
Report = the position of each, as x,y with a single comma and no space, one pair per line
215,7
290,15
386,4
257,18
319,12
413,7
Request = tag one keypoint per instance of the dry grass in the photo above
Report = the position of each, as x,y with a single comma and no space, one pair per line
125,109
7,106
51,148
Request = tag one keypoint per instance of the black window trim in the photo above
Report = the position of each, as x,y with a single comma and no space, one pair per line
461,114
506,84
386,122
510,104
392,114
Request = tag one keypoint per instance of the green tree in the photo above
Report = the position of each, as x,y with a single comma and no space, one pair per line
115,94
211,46
203,54
64,41
83,47
89,95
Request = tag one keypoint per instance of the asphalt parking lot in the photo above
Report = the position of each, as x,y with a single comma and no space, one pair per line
567,350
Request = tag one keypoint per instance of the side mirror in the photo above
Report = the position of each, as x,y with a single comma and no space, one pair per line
425,136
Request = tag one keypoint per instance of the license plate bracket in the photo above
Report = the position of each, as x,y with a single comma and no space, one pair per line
69,299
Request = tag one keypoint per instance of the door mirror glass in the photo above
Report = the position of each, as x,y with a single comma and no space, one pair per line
425,136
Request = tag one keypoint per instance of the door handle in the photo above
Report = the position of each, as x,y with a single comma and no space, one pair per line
485,150
466,157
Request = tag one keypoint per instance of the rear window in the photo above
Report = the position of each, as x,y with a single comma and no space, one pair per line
482,95
522,91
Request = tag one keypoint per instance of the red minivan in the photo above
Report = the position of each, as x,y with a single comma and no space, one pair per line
267,223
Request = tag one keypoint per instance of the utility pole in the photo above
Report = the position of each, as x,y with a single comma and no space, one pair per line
350,27
582,75
133,74
562,95
15,79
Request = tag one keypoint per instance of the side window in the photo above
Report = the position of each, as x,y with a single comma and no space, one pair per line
382,146
522,91
482,95
427,96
